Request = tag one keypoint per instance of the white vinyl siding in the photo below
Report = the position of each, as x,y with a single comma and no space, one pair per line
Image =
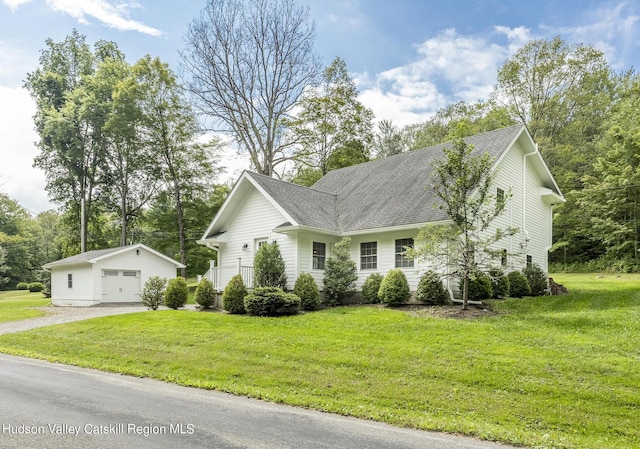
252,223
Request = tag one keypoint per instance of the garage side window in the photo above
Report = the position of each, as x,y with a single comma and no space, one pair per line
70,280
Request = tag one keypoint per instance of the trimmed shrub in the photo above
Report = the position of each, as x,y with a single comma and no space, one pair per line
431,290
233,295
268,267
152,295
394,289
479,286
205,295
538,279
371,287
499,283
306,289
177,292
271,301
518,285
36,287
22,286
340,273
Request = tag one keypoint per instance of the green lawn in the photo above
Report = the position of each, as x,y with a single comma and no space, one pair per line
19,305
551,372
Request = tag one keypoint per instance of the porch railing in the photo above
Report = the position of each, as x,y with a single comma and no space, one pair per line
220,276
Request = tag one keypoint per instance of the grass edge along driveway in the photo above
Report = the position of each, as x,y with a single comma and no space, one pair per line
548,372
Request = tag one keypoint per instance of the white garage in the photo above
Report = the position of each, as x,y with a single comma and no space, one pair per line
115,275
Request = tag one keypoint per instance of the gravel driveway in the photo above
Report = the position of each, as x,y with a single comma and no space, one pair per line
59,315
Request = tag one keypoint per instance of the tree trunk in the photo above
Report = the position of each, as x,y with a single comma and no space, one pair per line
182,237
465,293
123,221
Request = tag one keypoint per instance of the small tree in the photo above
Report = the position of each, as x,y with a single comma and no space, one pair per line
307,290
269,267
340,273
4,280
205,293
462,184
431,290
499,283
371,287
394,289
153,292
177,293
233,295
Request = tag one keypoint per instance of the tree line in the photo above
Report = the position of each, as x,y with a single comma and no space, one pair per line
130,151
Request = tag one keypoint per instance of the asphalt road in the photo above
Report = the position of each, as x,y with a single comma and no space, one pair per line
46,405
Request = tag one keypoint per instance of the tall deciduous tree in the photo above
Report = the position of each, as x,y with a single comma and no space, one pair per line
130,170
389,140
612,193
332,120
457,121
185,166
69,120
248,62
462,183
546,82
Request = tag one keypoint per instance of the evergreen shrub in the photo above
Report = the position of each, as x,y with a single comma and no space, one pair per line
371,287
518,285
538,279
271,301
394,289
479,286
269,267
36,287
22,286
233,295
340,273
205,295
152,295
306,289
177,293
431,290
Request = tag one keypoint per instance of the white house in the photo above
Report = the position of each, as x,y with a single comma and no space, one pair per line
114,275
381,205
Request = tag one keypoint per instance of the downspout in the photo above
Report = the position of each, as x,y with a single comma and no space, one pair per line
524,196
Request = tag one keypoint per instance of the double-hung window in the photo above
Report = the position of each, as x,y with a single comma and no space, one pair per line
369,256
319,255
402,260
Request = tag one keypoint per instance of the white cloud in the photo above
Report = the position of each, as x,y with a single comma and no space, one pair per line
110,15
15,4
21,182
114,16
14,64
612,28
448,68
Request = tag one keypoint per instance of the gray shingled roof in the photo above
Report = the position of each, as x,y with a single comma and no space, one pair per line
307,206
392,191
377,194
83,257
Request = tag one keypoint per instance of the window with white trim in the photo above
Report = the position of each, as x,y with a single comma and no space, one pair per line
402,260
369,256
69,280
319,255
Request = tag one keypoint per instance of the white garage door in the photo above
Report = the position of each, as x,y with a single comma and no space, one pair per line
120,286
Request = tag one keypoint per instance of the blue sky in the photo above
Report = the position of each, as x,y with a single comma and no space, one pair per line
408,57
